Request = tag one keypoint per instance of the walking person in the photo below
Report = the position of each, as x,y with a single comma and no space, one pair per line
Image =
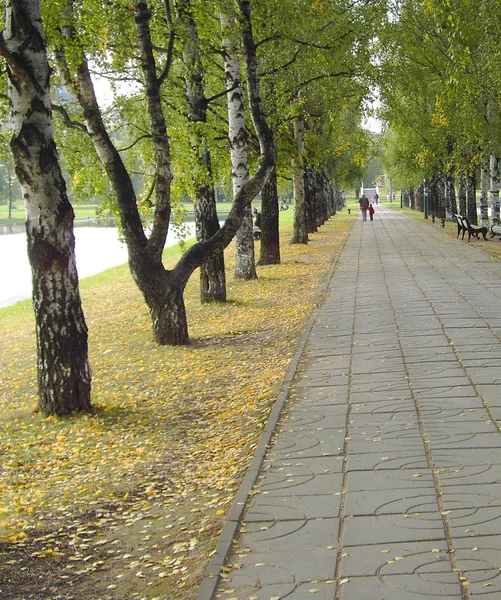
364,205
371,212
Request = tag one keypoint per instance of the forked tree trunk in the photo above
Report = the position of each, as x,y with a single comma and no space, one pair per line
64,378
163,289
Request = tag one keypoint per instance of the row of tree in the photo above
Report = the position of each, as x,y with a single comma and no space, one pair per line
200,91
440,82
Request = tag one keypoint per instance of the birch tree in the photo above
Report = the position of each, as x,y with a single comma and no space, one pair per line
212,272
162,288
245,266
64,378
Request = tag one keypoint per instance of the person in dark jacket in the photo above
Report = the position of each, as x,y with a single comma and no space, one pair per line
257,224
364,205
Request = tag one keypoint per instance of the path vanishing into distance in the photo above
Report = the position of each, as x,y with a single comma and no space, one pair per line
382,479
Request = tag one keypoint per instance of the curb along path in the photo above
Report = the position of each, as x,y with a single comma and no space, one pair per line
383,477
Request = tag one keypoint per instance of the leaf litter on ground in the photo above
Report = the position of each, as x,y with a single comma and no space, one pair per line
128,502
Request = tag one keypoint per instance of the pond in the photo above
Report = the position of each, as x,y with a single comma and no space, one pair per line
96,248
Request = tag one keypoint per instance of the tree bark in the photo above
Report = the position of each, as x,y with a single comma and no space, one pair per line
450,196
245,267
270,240
212,272
310,200
441,196
471,198
484,192
494,163
64,378
299,235
462,193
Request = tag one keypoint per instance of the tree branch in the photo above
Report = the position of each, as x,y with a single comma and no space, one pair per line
67,119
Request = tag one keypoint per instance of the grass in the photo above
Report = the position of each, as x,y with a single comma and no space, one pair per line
129,502
82,212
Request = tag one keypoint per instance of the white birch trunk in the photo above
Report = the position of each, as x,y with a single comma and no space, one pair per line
63,370
495,217
245,267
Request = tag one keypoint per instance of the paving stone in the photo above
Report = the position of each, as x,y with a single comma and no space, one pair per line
321,395
390,528
405,465
314,379
290,536
277,507
396,559
464,439
402,587
321,443
317,590
304,465
292,567
475,522
288,484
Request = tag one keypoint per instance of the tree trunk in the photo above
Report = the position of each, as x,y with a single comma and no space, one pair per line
299,235
484,192
64,378
450,196
441,199
245,267
164,297
310,200
332,199
432,197
495,216
462,193
323,198
419,198
471,198
270,239
212,272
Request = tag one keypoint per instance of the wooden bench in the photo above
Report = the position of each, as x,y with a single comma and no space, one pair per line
473,230
495,230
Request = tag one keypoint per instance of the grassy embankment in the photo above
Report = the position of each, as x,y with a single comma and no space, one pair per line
130,500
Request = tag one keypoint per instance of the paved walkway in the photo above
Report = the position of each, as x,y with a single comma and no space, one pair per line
383,478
